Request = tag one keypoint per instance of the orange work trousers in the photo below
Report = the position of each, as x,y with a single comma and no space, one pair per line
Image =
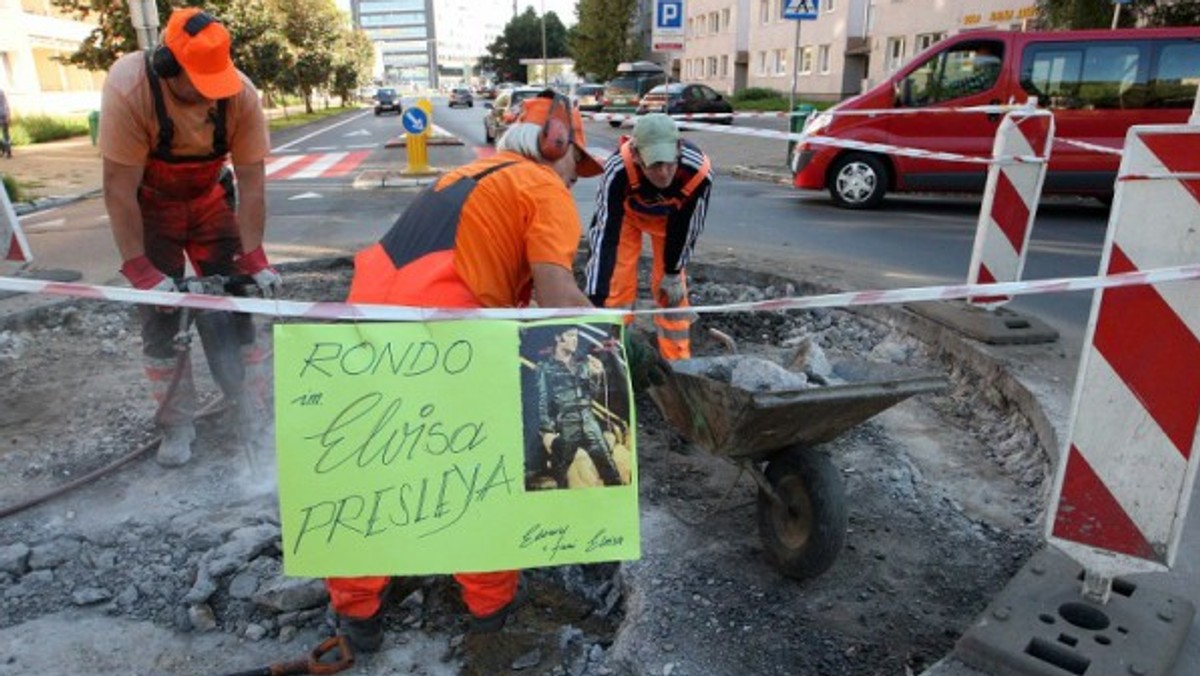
361,597
673,330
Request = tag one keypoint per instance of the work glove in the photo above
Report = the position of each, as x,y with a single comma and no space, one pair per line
255,264
647,368
142,274
670,290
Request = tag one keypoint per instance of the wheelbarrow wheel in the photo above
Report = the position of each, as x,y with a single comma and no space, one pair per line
804,536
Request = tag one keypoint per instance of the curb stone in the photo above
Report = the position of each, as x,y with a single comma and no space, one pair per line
768,175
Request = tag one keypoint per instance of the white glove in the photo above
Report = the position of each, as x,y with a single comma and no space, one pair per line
670,290
269,281
266,277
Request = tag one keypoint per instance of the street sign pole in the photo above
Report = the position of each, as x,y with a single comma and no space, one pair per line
795,68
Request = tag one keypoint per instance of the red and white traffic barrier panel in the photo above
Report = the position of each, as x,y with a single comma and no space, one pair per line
345,311
12,239
1010,201
1125,478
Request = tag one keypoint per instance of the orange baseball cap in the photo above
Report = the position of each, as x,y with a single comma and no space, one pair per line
535,110
201,46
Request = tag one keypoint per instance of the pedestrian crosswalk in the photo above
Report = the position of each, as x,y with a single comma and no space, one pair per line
313,165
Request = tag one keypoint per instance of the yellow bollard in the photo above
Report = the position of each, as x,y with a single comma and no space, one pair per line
417,126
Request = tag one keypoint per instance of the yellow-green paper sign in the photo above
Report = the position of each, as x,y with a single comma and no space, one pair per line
441,447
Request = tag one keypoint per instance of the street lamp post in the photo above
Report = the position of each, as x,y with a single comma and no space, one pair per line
143,14
545,67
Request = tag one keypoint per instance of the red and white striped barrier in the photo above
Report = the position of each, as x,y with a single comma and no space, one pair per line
1125,478
344,311
16,247
1010,201
1090,146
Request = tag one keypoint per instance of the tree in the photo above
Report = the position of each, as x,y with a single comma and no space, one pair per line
599,41
259,48
522,39
312,28
1078,14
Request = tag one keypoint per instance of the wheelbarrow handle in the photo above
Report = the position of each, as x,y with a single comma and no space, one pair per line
330,657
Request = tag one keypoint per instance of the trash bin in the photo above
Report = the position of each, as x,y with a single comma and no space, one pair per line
94,125
799,118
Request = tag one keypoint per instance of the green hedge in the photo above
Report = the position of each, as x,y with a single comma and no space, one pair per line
12,187
28,129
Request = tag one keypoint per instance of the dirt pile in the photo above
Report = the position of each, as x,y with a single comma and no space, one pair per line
943,493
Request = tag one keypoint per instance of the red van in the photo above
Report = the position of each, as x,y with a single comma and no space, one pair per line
1097,83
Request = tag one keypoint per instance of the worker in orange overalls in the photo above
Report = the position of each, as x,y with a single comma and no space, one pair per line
658,185
170,121
498,232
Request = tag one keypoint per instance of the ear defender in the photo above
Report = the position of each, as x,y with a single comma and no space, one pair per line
163,61
557,134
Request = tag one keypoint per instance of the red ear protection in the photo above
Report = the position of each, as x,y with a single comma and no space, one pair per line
557,135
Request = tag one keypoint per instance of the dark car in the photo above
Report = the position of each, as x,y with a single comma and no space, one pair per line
590,97
503,112
461,96
387,99
678,98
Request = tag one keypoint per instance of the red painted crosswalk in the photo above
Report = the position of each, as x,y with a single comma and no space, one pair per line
313,165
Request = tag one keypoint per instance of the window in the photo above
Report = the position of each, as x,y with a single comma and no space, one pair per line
725,19
894,57
691,28
712,66
965,69
714,23
1174,83
806,60
1110,75
926,40
776,10
780,61
762,63
724,65
829,5
823,58
701,24
687,69
764,11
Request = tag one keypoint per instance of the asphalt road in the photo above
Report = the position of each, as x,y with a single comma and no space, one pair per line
316,210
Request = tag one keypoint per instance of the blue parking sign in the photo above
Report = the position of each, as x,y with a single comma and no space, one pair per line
668,14
803,10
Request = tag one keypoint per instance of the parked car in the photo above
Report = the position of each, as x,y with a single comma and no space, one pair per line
387,98
461,96
590,97
624,92
502,113
678,98
486,91
1096,83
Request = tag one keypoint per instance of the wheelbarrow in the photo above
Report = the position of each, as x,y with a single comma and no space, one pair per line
773,433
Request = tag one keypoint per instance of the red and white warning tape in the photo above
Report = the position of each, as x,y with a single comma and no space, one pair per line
988,110
1090,146
344,311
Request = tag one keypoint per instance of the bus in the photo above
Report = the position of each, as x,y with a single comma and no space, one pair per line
623,93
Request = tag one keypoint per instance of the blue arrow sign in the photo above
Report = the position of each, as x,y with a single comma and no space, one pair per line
801,10
668,14
414,120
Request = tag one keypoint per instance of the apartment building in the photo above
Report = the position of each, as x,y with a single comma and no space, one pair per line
464,30
34,33
404,32
852,44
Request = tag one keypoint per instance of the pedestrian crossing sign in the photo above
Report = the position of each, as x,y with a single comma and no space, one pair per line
802,10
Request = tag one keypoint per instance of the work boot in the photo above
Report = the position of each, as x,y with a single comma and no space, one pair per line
176,446
490,624
364,635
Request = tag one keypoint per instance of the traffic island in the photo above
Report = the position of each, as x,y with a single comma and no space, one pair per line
394,178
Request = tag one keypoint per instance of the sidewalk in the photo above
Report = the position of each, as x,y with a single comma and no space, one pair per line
54,172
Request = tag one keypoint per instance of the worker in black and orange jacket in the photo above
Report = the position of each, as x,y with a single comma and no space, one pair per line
498,232
656,185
